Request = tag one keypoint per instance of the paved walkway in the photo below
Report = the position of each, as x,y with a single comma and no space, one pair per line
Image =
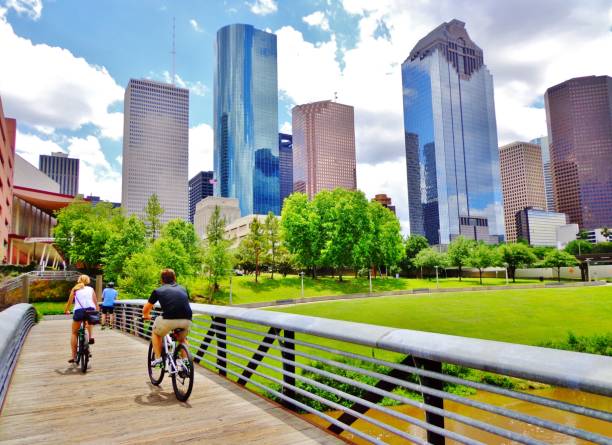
50,401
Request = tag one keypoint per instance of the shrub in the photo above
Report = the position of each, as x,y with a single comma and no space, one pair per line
41,290
595,344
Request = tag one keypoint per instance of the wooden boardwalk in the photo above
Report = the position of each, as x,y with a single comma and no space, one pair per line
50,401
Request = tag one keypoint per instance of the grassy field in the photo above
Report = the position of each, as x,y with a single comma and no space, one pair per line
529,316
245,290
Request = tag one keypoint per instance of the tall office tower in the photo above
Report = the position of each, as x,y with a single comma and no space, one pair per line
452,156
200,187
7,159
543,143
522,182
323,147
63,170
285,173
384,201
246,118
155,148
579,118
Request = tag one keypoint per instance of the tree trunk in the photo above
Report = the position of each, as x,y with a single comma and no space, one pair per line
559,274
256,266
272,276
314,272
513,273
459,273
480,273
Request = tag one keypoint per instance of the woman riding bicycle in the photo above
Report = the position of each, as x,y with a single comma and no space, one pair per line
84,298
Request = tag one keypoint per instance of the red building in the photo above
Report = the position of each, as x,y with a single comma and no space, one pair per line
384,201
7,160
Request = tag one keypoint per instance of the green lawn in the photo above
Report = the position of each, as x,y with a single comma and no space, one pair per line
50,307
245,290
529,316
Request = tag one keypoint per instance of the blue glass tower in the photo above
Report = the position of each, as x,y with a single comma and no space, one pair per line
246,118
285,150
452,156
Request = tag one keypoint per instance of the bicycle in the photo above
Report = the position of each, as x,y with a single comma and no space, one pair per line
83,354
176,361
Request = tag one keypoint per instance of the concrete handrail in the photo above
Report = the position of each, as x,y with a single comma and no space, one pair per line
15,323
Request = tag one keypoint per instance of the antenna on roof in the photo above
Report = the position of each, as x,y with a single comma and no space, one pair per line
173,50
335,96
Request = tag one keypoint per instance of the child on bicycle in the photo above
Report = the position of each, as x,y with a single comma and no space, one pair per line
174,302
84,298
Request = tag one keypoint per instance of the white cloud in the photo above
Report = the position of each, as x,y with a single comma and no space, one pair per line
195,25
200,149
48,87
31,8
317,19
286,128
119,159
30,147
197,87
263,7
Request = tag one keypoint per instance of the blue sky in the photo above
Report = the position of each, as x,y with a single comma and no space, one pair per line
69,60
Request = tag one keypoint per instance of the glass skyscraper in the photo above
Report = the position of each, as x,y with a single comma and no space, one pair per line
246,118
285,150
452,157
543,143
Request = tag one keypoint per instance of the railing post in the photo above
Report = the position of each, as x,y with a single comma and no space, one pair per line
221,337
25,289
435,401
288,368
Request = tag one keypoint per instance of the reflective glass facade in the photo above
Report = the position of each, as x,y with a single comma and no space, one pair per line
285,149
246,118
451,139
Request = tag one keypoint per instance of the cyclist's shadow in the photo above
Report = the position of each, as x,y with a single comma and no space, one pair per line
158,397
71,370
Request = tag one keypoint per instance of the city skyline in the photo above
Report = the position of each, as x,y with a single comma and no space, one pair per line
356,45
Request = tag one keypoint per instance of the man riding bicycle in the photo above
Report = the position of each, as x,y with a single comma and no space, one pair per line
174,301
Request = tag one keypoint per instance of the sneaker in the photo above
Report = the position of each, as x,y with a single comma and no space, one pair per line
92,341
157,363
103,327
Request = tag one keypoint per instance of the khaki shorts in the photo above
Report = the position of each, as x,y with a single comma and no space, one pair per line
162,326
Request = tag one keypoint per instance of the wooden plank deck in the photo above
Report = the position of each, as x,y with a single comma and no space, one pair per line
49,401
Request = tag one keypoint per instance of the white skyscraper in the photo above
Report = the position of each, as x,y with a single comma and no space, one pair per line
155,148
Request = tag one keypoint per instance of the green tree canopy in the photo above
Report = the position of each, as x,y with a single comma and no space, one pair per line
272,234
558,259
386,248
217,259
431,258
127,238
170,253
578,247
516,255
481,257
153,210
141,275
459,251
184,232
413,245
255,243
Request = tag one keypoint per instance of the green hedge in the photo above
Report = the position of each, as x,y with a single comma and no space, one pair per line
41,290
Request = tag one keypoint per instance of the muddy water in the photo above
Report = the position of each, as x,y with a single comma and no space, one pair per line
564,418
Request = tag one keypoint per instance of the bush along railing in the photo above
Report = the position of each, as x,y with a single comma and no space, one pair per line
15,323
348,377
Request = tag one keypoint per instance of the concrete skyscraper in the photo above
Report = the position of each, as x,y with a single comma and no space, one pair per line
579,119
452,155
63,170
522,182
285,173
550,197
323,147
155,148
200,187
246,118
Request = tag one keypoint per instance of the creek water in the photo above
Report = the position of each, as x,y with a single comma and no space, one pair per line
544,435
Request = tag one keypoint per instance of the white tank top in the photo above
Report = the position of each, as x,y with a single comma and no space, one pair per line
83,298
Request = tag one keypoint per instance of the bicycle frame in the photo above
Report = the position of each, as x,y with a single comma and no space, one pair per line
168,349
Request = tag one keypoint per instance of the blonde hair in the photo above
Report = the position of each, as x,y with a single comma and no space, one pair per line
81,283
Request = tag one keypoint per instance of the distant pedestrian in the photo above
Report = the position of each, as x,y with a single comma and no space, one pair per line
109,295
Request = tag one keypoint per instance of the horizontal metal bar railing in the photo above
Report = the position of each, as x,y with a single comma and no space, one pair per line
15,323
232,334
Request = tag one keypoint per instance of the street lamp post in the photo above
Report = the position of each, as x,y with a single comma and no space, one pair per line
506,270
437,284
302,276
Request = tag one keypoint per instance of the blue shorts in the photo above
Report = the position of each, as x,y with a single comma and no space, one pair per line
79,314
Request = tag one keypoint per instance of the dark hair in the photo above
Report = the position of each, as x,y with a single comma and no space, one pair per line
110,284
168,276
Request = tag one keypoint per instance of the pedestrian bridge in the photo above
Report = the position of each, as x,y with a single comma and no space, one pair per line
295,360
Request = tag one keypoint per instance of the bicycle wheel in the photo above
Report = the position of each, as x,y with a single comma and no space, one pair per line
182,381
156,375
84,352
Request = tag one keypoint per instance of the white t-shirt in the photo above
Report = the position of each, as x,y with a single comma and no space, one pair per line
83,298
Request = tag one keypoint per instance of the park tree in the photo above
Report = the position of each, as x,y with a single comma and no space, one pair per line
301,231
170,253
430,259
127,238
153,211
272,234
583,234
386,246
255,243
217,260
482,256
413,245
558,259
140,275
578,247
285,261
516,255
184,232
459,251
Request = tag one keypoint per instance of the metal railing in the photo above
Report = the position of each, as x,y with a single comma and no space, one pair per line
340,372
15,323
50,275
